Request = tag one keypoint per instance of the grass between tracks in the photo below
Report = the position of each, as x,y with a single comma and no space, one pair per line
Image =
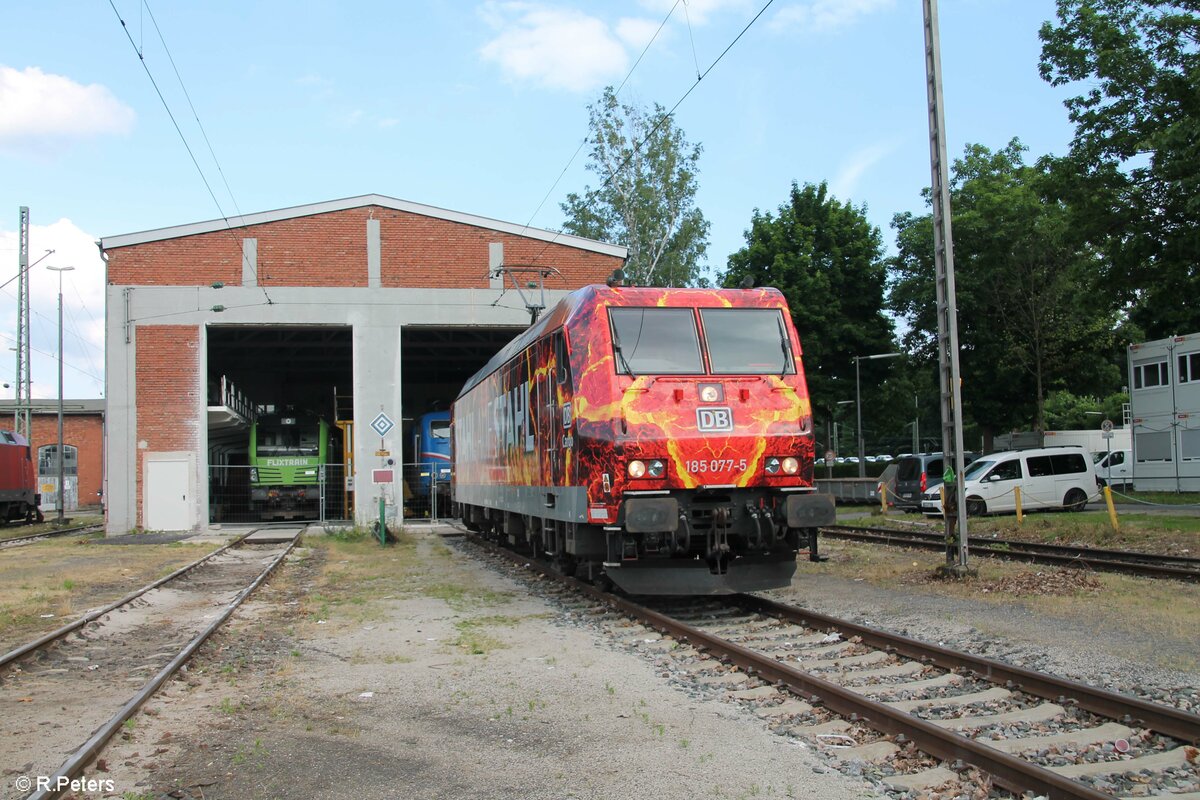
12,530
1173,534
360,579
46,584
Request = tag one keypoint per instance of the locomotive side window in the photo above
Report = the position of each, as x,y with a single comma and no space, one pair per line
655,341
563,365
747,341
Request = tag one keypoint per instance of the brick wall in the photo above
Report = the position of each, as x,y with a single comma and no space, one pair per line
331,250
84,432
170,383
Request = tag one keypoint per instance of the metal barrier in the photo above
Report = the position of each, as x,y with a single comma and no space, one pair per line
426,488
234,495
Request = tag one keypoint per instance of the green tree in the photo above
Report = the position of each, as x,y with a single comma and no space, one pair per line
827,259
1137,134
646,199
1030,317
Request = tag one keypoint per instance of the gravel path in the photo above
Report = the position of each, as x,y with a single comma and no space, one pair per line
517,699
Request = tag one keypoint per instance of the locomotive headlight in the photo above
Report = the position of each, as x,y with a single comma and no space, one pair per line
790,465
656,469
772,466
711,393
254,474
637,469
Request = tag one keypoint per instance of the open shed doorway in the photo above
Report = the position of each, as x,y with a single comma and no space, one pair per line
275,397
437,362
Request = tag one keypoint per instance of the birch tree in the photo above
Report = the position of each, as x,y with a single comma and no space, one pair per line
646,198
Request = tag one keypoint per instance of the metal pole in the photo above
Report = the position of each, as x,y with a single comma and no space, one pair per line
947,311
862,464
61,464
862,461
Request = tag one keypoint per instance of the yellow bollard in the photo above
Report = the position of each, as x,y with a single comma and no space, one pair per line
883,497
1017,494
1112,511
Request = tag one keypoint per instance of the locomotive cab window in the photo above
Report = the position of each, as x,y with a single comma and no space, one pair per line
439,429
288,441
747,341
655,341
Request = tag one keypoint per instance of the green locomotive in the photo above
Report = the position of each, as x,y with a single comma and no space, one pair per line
288,453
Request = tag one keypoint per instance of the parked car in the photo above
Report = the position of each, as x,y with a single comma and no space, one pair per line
1048,477
918,473
883,458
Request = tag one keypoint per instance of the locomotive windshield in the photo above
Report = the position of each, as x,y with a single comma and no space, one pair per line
747,341
665,341
288,440
655,341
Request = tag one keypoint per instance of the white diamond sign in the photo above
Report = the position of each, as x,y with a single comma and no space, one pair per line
382,424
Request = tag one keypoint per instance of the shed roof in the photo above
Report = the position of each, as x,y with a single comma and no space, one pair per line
516,229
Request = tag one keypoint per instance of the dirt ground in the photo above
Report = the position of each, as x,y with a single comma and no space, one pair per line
418,671
423,673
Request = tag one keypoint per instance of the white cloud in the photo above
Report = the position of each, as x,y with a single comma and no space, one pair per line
697,11
636,33
83,310
45,113
860,161
556,47
823,16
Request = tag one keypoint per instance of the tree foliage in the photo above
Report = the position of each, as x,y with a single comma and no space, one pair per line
1137,141
827,260
646,197
1029,314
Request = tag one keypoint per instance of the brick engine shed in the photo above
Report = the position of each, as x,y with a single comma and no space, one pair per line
359,307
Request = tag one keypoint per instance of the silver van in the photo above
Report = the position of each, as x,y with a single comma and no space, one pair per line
1048,477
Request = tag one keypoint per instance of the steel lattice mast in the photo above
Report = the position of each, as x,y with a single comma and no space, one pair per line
947,308
24,389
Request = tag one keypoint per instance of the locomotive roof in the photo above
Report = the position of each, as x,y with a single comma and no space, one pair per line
598,294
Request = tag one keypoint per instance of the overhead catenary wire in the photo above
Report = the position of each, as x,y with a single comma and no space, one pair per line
187,146
625,80
669,114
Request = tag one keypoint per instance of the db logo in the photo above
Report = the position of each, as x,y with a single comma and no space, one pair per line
714,419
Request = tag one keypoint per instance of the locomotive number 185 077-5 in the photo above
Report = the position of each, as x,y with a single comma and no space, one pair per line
717,465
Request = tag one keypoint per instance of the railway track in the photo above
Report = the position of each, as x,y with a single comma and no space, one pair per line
921,715
1125,561
16,541
78,677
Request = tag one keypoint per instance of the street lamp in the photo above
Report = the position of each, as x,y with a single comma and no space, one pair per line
61,470
862,459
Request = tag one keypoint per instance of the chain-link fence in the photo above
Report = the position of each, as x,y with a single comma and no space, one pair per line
265,494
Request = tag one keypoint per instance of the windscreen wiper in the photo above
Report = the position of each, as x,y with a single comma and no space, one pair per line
616,340
785,345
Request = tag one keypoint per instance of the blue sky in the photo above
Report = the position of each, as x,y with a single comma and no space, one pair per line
476,107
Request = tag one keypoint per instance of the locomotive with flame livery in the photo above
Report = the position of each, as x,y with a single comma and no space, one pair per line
659,439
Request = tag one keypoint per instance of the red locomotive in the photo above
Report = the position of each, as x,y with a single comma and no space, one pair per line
657,438
19,496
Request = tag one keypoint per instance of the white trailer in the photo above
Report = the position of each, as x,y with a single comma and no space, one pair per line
1164,394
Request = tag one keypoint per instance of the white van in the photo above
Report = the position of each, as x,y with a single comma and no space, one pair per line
1114,468
1049,477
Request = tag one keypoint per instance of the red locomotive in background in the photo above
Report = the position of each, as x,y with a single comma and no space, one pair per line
19,498
659,438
